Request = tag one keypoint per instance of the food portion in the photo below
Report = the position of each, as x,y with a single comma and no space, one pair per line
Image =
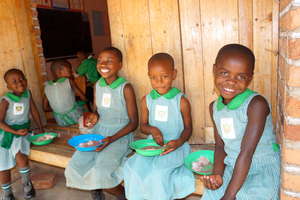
90,143
44,138
151,148
202,165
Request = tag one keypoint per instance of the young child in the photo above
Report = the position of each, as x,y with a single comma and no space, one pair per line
15,108
60,95
118,117
247,164
166,116
88,68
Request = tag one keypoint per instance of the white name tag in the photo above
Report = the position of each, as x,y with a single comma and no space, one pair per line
161,113
18,108
227,128
106,100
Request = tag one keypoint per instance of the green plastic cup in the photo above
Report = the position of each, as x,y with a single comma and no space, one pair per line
140,144
33,138
188,161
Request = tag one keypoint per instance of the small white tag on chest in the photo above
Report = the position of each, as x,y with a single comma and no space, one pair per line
106,100
161,113
18,108
227,128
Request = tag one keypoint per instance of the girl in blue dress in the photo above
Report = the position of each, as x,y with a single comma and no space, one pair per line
247,158
115,106
166,117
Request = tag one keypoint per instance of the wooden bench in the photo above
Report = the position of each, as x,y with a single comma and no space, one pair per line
59,152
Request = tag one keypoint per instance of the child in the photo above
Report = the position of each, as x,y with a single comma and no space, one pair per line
166,115
15,107
247,164
60,95
116,107
88,69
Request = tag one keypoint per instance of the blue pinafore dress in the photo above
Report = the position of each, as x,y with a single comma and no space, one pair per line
100,170
17,114
62,101
161,177
263,180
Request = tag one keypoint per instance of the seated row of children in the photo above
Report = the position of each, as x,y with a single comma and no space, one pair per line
247,166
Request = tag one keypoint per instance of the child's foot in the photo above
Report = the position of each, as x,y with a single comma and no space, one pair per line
29,191
97,195
8,197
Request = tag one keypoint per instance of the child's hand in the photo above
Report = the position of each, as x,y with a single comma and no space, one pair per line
157,136
212,182
89,119
106,141
22,132
172,145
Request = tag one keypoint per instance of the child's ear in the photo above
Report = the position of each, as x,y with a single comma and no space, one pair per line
174,74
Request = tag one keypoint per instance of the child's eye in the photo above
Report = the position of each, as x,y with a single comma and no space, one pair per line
223,73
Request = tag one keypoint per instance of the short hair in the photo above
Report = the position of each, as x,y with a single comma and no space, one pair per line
116,51
59,65
237,49
162,57
13,71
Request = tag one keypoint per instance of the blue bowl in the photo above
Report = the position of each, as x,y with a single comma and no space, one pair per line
76,140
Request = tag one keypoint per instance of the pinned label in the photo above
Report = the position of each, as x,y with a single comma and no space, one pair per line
227,128
18,108
106,100
161,113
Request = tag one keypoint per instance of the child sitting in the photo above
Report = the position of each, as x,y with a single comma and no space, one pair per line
60,95
247,158
15,108
116,107
166,116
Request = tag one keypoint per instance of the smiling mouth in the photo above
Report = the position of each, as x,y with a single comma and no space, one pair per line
228,90
104,70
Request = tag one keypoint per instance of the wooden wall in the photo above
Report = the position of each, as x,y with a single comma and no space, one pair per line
16,49
192,31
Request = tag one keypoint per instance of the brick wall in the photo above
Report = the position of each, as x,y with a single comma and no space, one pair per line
289,97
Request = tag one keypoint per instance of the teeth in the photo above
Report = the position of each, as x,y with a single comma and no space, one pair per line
104,70
228,90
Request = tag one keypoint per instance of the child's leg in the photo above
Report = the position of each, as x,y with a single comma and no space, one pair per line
97,195
117,191
5,181
22,163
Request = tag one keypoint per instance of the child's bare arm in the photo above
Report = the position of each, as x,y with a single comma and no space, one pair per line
77,90
46,106
35,114
258,111
185,108
3,108
144,124
132,114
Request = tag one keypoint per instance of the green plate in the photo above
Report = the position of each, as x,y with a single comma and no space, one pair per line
139,144
209,154
33,139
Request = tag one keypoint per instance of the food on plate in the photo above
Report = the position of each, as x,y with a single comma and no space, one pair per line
203,165
90,143
44,138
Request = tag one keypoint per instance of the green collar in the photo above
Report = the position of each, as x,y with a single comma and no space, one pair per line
116,83
16,98
236,102
60,80
169,95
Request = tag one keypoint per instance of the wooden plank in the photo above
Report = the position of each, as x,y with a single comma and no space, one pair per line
193,64
219,21
263,50
165,33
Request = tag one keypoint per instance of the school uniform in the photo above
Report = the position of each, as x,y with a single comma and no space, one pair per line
161,177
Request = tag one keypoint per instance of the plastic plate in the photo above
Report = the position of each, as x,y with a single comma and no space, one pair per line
33,138
209,154
76,140
140,144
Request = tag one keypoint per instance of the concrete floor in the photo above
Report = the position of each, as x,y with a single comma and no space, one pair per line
59,191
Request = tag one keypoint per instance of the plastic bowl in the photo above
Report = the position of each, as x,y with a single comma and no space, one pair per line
33,138
76,140
139,144
188,161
